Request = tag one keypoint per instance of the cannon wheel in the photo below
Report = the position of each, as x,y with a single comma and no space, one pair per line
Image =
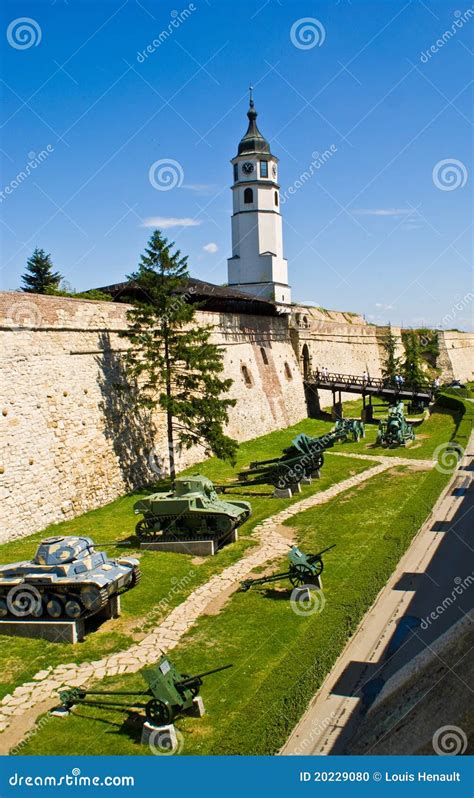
280,477
158,713
317,567
300,575
145,529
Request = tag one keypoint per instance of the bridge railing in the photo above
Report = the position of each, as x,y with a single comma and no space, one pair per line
364,382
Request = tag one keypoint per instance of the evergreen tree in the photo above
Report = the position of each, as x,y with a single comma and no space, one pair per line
412,368
171,359
40,277
391,365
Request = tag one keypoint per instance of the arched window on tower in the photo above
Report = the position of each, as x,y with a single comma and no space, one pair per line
248,196
276,198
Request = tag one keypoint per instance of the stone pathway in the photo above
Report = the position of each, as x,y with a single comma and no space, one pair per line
47,683
383,458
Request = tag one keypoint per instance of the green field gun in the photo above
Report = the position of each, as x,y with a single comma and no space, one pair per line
350,428
395,430
170,693
302,459
304,569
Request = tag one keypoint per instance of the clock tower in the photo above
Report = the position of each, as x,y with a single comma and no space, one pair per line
257,265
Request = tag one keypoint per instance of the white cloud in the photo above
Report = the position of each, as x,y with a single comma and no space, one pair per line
165,222
384,211
211,247
384,307
200,188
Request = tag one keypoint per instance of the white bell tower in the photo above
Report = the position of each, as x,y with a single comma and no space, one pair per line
257,265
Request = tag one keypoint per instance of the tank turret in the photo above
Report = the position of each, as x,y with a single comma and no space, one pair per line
66,579
191,510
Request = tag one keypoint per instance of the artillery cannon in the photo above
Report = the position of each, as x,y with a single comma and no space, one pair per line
170,691
395,430
350,427
192,510
301,459
304,569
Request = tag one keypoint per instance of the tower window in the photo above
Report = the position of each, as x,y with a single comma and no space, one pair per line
236,172
248,196
276,198
264,355
288,373
263,168
246,375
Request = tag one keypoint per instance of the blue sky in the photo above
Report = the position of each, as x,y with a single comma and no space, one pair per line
383,227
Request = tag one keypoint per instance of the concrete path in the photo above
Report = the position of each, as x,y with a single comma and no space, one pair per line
432,577
18,711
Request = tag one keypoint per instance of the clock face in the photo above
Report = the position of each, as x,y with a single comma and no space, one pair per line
274,170
247,168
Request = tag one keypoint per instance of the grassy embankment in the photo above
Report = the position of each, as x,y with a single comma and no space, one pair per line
280,658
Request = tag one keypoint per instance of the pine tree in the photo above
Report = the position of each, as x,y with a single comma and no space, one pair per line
391,365
412,368
171,360
40,279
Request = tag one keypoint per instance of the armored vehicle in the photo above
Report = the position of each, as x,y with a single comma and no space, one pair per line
192,510
66,580
395,430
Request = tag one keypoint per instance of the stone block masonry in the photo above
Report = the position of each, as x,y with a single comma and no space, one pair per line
70,442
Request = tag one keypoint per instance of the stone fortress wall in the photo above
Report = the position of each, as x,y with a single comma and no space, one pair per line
71,442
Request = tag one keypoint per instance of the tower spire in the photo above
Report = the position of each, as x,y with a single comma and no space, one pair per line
251,103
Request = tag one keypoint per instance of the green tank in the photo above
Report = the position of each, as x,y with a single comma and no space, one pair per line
192,510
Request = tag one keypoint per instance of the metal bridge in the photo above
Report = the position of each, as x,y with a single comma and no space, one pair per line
367,387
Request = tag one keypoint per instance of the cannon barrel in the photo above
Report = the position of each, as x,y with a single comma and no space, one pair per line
313,557
190,680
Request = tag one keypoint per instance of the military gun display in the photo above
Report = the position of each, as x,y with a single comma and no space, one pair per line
66,580
350,427
395,430
170,691
303,458
303,570
192,510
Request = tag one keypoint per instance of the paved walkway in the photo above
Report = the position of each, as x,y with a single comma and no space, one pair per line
43,690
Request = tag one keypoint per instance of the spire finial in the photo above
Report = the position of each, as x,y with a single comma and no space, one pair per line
251,96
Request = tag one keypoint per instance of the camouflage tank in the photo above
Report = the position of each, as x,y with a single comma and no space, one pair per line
192,510
66,580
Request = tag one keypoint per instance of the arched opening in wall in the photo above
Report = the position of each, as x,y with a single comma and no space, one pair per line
306,358
248,196
264,355
288,373
305,322
246,375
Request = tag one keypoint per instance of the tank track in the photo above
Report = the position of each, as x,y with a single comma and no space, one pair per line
65,596
220,537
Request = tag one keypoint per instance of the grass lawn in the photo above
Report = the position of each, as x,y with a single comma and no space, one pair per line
280,658
168,578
